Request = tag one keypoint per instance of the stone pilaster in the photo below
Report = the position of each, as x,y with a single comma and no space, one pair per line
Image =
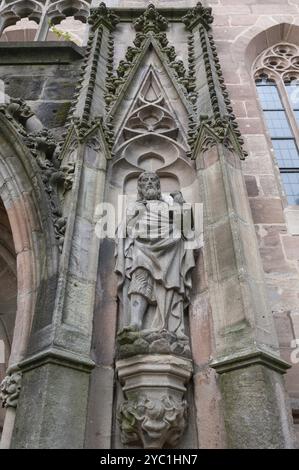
246,348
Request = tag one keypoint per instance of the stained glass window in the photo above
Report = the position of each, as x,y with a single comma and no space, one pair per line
281,132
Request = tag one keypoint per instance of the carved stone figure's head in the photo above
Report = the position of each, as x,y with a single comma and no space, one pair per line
149,187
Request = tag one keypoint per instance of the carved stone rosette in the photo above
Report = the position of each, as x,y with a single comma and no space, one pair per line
154,412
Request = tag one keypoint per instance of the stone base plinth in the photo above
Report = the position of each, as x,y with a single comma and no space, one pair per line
154,412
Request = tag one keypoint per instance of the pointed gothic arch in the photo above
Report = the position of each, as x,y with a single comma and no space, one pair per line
23,197
258,41
151,122
150,68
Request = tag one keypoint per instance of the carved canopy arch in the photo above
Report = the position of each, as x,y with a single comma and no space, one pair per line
23,196
256,44
16,10
152,137
61,9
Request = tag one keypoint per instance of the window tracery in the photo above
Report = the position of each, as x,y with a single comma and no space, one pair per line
276,74
44,13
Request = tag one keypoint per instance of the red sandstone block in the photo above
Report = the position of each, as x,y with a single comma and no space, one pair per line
252,108
291,247
250,125
269,186
26,281
240,92
227,33
221,20
267,211
271,250
274,9
239,108
19,225
231,10
251,185
241,20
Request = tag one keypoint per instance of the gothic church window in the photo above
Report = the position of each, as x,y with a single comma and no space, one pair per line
277,81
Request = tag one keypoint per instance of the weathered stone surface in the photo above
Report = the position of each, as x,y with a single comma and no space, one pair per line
29,87
100,418
284,328
271,249
260,420
39,53
58,89
160,346
251,185
209,410
267,211
45,390
52,114
269,186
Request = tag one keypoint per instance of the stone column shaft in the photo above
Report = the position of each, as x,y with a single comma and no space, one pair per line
256,410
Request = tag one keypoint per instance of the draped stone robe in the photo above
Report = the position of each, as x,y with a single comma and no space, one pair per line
152,260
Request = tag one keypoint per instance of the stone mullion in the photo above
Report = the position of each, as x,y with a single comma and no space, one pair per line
43,27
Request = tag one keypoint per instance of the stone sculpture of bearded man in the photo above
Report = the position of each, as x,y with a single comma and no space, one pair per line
152,261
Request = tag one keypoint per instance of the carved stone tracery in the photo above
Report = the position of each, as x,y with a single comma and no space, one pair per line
42,12
150,24
281,60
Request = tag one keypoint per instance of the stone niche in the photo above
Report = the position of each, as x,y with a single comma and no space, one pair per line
154,363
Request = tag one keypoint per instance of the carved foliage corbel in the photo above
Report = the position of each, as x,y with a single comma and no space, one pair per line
198,15
44,149
10,390
102,15
155,422
56,178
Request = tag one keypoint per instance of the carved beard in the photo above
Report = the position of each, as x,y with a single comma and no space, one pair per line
150,193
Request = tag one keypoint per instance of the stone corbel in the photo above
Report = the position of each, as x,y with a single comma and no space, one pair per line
22,113
154,412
